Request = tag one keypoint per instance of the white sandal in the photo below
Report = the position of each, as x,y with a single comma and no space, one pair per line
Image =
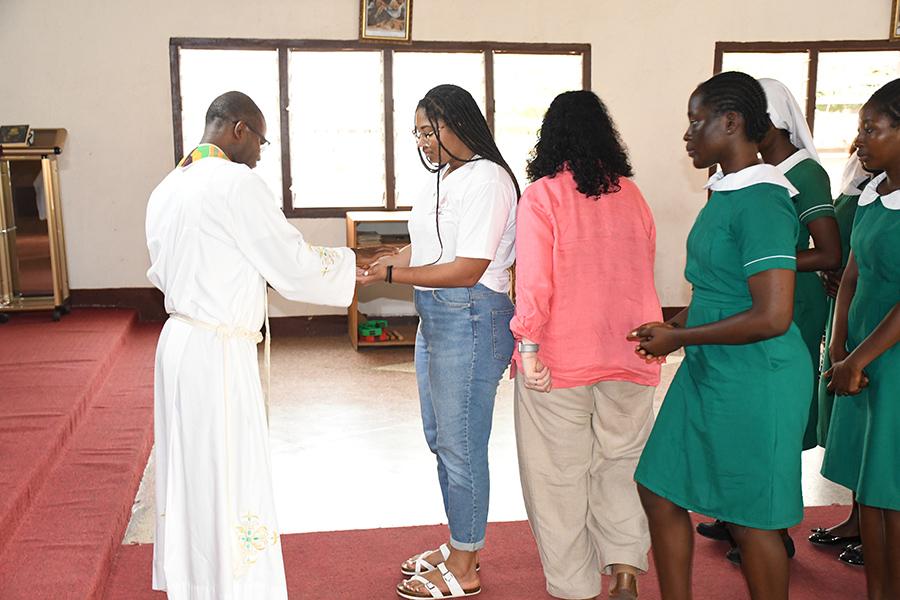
456,590
423,566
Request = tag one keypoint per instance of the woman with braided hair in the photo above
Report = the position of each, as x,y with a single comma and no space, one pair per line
727,440
463,243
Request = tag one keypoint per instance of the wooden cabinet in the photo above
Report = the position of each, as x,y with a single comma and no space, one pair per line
372,228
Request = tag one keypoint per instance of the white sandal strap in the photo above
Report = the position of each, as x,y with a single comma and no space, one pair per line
423,566
450,580
433,589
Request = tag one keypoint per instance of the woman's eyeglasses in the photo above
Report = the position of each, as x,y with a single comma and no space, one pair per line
424,135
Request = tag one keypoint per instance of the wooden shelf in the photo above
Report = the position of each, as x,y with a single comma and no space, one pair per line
354,317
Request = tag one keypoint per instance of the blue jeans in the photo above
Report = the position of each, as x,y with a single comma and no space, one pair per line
463,346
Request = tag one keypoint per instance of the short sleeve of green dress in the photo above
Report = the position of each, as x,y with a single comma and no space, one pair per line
727,440
810,301
874,242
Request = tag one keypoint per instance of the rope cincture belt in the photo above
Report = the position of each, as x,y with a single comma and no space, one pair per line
226,332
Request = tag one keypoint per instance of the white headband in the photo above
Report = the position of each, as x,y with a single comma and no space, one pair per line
786,114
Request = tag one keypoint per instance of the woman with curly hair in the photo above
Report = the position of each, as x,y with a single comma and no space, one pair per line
585,245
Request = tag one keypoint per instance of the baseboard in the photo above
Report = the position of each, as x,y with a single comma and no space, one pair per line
148,302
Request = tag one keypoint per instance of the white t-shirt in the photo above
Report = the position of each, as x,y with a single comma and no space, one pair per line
477,220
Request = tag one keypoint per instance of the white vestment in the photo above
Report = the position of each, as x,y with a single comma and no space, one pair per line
215,238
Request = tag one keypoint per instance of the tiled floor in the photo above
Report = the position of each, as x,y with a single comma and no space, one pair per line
348,451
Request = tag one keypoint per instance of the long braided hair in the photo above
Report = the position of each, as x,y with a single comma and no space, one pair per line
460,113
738,92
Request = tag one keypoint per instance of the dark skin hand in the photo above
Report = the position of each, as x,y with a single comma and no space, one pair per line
770,315
847,376
832,281
370,254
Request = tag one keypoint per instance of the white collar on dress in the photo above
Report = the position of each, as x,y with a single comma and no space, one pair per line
870,194
748,176
793,160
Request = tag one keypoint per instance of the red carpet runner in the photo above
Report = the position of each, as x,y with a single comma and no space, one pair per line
330,566
76,426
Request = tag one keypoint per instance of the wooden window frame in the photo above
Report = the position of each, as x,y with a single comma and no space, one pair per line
812,49
284,46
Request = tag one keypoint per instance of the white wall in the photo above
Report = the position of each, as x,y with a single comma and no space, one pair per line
100,68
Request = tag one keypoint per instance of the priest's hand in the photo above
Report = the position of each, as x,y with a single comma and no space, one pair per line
643,333
369,255
371,274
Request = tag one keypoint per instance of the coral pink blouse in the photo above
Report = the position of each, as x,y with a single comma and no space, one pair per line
584,280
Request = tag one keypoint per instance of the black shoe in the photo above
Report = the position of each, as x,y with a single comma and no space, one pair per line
822,537
853,556
714,530
789,545
734,553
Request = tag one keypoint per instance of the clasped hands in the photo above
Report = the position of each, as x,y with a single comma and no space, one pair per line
846,377
655,341
536,373
369,265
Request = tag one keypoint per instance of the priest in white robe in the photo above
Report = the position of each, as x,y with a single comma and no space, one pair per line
216,236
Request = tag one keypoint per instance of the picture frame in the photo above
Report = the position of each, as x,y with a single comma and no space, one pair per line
895,21
386,20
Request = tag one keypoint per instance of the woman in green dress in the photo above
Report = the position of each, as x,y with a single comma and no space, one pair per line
789,146
745,361
841,465
864,342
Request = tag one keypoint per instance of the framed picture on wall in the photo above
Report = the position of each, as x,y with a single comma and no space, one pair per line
895,21
386,20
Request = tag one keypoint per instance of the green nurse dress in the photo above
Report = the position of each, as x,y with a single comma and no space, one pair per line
846,421
874,242
810,299
727,440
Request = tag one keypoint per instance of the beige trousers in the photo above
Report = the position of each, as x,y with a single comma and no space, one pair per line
578,449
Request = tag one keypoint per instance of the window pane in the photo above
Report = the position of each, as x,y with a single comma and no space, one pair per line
790,68
844,83
524,86
337,129
206,74
414,74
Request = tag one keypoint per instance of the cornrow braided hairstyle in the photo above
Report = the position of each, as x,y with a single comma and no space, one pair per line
738,92
886,100
458,110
